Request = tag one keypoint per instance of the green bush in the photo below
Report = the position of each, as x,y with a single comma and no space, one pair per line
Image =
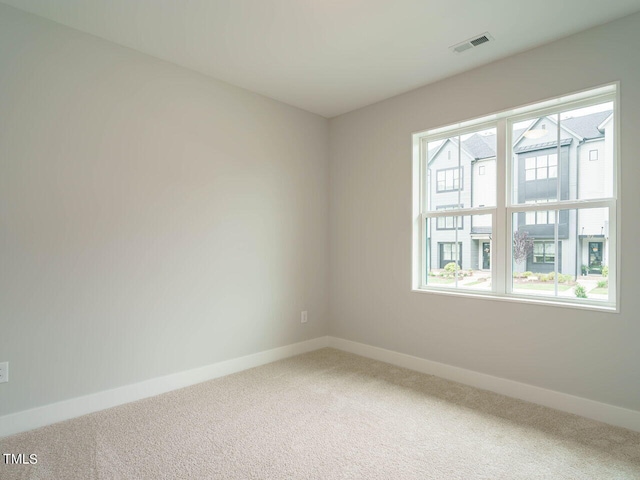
451,267
584,269
551,276
605,271
450,270
562,278
603,284
527,274
580,291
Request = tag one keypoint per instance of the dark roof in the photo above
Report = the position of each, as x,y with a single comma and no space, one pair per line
587,125
480,146
481,230
483,146
542,146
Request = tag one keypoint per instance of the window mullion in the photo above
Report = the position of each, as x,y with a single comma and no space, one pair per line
501,238
613,276
556,243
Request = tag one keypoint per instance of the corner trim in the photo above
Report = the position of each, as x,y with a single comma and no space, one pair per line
75,407
602,412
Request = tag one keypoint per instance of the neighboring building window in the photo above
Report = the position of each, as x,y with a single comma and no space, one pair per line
449,223
541,217
541,167
449,179
544,252
449,253
542,231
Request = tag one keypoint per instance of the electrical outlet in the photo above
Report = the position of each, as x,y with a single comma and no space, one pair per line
303,317
4,372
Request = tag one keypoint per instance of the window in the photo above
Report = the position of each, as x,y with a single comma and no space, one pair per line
544,252
540,217
448,180
449,223
551,237
449,253
541,167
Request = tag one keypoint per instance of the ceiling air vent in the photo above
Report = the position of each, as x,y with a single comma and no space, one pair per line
472,42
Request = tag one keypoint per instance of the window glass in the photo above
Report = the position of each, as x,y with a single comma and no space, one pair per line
461,171
592,127
460,258
569,266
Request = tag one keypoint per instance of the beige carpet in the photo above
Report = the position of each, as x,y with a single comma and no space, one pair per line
326,415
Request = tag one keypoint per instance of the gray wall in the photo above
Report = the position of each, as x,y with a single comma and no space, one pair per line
152,220
590,354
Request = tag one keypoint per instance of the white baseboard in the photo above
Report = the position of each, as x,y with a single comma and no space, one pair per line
621,417
75,407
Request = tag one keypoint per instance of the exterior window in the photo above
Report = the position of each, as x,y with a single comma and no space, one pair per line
449,253
449,179
541,217
542,167
550,238
544,252
449,223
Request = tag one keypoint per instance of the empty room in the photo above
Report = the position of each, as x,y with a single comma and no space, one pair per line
319,239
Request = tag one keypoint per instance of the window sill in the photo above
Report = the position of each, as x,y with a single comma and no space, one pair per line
608,308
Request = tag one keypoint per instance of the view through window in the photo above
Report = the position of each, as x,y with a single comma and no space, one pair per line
534,219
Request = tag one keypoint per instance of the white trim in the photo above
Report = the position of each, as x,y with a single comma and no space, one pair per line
564,302
460,212
602,412
75,407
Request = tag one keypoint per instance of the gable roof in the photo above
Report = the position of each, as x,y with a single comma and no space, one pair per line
542,146
480,146
434,152
587,127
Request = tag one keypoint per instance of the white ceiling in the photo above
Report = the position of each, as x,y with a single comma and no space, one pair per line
328,56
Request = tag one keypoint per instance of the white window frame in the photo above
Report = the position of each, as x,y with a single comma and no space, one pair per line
502,214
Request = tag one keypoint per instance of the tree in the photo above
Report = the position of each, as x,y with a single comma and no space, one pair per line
522,246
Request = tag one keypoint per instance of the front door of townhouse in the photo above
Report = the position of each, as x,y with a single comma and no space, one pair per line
595,257
486,255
